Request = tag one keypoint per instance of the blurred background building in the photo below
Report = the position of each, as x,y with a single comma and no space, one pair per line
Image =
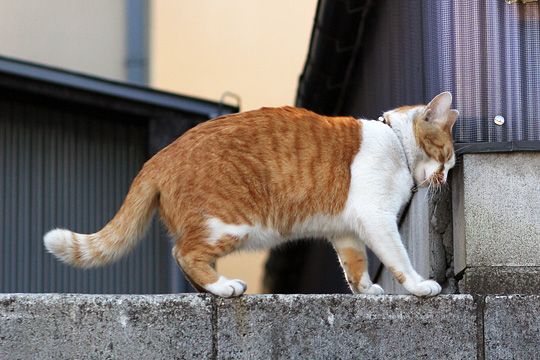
254,50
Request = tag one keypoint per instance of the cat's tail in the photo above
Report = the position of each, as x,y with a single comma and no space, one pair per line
116,239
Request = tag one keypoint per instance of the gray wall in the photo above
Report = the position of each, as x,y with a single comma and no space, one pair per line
66,166
496,216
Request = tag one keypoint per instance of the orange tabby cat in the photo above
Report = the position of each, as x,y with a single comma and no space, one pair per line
260,178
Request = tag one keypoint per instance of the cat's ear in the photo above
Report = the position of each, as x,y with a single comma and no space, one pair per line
451,119
438,108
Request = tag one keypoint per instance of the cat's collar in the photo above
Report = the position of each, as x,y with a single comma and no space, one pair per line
385,121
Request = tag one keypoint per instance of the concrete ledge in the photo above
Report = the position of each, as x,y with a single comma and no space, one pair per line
105,327
512,327
347,327
484,280
268,326
254,327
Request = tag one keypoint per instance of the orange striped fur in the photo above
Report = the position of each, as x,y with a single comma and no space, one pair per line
273,166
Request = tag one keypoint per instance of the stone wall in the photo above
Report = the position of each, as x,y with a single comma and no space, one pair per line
268,327
496,221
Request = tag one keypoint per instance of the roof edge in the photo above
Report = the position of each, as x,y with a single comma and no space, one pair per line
112,88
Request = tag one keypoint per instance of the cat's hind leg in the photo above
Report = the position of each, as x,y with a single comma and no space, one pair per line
352,257
197,257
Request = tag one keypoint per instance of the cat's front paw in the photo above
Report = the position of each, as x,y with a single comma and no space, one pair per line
426,288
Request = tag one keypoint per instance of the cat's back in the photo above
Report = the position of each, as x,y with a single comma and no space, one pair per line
267,132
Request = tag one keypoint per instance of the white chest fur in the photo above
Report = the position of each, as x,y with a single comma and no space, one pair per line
380,178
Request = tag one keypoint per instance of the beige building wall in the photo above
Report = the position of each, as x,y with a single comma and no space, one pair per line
253,48
80,35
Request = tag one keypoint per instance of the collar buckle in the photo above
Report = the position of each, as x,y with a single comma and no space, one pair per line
384,120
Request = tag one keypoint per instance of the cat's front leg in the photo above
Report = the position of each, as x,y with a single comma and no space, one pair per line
352,257
382,237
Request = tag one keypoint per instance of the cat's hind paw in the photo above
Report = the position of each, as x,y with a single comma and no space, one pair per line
426,288
227,288
373,289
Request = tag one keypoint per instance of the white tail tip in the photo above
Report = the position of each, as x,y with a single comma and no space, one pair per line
59,242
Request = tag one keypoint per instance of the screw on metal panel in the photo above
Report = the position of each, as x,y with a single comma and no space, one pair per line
498,120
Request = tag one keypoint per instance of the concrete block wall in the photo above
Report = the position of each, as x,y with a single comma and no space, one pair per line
496,222
268,327
105,327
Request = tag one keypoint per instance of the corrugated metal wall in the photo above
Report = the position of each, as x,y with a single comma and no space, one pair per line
62,167
486,52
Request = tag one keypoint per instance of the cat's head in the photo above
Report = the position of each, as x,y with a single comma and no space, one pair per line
432,127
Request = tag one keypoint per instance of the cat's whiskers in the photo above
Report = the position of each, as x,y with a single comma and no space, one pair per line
435,185
427,180
426,197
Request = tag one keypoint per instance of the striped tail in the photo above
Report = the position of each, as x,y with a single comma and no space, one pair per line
116,239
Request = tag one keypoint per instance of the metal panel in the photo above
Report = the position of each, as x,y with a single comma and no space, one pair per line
487,53
62,167
390,69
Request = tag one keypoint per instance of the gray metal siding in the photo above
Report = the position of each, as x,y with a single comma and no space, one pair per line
62,167
487,53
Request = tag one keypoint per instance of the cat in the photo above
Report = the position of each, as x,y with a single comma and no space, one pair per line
260,178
